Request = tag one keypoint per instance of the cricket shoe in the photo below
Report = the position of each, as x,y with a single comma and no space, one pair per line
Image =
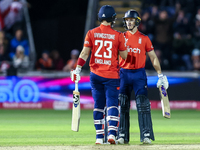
99,141
120,141
111,139
146,141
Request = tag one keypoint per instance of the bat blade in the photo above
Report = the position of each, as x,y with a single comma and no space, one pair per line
164,102
75,111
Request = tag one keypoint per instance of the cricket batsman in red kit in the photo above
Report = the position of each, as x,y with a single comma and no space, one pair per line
105,45
133,77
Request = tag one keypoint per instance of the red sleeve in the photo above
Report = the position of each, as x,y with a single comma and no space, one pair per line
122,45
149,47
88,41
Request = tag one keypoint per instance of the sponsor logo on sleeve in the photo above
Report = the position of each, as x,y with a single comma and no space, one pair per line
86,42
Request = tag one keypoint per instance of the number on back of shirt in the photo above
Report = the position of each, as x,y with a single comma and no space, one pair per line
101,44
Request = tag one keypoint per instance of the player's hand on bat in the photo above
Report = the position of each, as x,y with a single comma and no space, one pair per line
75,74
162,81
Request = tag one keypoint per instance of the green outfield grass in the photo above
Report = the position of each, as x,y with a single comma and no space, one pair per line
53,127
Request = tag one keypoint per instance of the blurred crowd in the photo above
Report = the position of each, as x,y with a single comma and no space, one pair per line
53,61
14,44
174,28
172,25
14,47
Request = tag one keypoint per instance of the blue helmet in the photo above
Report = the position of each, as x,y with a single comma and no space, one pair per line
106,13
132,14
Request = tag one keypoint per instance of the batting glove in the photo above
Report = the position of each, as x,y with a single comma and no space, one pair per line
75,74
162,81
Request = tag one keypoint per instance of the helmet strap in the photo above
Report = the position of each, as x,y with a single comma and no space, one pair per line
112,23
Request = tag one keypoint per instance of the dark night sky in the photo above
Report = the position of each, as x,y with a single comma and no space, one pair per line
58,25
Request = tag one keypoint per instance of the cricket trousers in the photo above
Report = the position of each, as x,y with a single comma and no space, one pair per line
105,93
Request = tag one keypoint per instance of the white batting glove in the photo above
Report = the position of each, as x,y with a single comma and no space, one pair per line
162,81
75,74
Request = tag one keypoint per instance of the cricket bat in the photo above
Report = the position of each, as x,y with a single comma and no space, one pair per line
76,109
164,102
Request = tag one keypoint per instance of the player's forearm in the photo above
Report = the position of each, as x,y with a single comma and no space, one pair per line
83,56
81,60
156,65
123,54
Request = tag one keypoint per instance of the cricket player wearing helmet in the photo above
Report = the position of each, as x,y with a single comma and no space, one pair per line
105,45
133,77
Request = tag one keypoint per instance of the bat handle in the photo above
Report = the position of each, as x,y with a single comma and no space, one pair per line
76,86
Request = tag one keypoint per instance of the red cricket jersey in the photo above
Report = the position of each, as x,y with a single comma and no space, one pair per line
105,43
137,45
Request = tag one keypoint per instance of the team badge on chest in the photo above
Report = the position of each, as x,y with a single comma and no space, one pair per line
140,41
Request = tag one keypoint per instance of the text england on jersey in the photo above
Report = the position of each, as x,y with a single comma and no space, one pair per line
101,61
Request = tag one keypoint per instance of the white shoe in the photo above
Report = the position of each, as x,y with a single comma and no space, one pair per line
120,141
111,139
146,141
99,141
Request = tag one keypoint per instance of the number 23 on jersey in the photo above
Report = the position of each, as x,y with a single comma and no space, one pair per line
101,43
